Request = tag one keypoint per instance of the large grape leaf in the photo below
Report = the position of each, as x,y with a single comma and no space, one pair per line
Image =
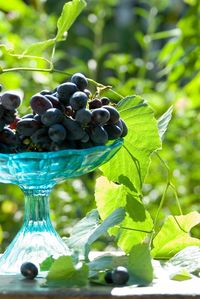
70,12
89,229
63,273
175,235
139,265
137,222
130,165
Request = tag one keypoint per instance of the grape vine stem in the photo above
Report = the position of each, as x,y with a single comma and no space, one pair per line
53,70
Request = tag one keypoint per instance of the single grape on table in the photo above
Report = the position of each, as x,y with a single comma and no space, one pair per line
68,117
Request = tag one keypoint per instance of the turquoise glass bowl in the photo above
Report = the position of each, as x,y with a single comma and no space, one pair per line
36,174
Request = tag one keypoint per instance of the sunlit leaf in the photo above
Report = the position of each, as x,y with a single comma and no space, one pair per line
70,12
63,273
163,122
130,165
89,229
133,229
139,265
175,235
38,48
188,258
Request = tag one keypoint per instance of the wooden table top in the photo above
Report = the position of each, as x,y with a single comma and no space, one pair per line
19,288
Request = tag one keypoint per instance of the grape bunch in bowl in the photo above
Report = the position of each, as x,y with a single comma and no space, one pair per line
69,117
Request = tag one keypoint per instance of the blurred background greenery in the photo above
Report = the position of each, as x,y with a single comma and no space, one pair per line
145,47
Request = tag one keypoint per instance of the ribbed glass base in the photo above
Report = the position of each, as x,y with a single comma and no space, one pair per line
37,239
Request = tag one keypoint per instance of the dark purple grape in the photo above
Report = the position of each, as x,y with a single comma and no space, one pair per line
98,135
2,124
123,127
8,137
83,116
29,270
2,109
10,100
55,102
27,126
105,101
40,104
41,138
80,80
85,138
114,114
96,103
78,100
38,117
29,115
120,275
45,92
100,116
69,111
57,133
113,131
65,91
74,129
9,116
52,116
108,277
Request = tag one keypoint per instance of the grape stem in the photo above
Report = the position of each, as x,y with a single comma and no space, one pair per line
53,70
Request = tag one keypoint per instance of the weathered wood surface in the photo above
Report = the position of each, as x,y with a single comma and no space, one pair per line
17,287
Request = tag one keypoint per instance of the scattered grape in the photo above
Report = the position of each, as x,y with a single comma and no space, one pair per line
29,270
120,275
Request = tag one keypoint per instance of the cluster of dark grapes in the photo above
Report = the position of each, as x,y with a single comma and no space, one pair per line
68,117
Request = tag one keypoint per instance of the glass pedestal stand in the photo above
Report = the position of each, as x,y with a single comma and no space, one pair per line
36,174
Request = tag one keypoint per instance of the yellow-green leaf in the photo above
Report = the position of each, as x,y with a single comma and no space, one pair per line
70,12
175,235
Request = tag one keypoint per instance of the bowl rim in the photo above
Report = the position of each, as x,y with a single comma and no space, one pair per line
59,153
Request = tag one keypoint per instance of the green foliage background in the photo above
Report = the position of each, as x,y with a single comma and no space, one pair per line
146,47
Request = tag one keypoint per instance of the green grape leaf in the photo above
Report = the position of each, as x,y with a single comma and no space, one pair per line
130,165
137,222
188,259
175,235
38,48
63,273
163,122
70,12
47,263
139,265
89,229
